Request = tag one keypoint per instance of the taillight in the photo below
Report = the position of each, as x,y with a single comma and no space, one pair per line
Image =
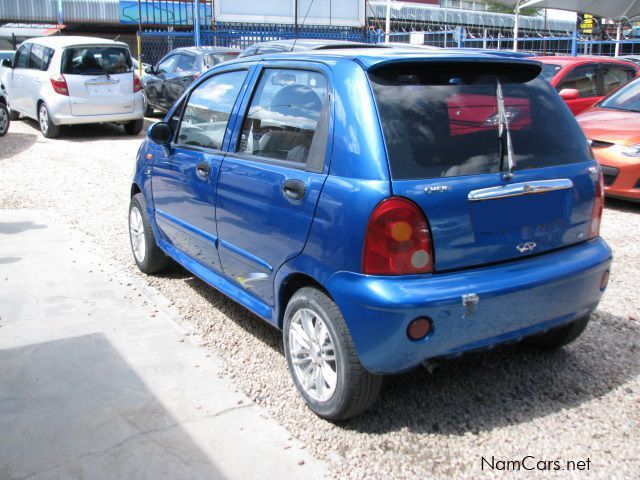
136,83
598,207
398,241
59,84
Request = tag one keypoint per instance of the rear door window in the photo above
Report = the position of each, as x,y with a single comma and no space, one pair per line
284,116
614,77
40,57
94,60
441,119
583,79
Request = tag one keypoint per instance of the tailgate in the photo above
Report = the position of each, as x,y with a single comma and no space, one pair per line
492,156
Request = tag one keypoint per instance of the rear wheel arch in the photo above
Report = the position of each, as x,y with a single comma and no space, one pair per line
135,189
289,286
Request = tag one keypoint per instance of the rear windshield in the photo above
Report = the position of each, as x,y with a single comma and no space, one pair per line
212,59
441,119
549,70
96,60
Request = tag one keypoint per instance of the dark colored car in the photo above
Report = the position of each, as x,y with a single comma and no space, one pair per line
583,81
300,45
167,80
381,207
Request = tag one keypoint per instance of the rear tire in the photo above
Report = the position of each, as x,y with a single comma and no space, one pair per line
149,110
134,127
322,358
146,253
4,119
559,336
47,127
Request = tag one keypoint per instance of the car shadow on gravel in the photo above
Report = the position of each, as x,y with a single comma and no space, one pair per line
625,206
509,385
485,390
92,132
245,319
15,143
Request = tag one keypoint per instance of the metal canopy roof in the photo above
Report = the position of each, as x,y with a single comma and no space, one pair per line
613,9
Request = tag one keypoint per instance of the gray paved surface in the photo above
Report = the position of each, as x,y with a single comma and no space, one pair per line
97,380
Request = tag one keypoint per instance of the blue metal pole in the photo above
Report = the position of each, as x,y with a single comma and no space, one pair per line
60,15
461,35
196,23
574,44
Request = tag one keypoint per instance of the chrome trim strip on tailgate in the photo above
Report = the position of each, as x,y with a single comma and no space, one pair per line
519,189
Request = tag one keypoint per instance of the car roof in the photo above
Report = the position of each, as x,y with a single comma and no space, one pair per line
370,57
311,43
205,50
58,41
566,60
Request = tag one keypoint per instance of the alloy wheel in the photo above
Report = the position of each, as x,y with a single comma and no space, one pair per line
313,355
44,118
137,234
4,120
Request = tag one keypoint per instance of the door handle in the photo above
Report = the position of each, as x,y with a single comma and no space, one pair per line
294,189
203,169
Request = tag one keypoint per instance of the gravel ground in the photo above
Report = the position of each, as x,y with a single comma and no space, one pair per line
576,404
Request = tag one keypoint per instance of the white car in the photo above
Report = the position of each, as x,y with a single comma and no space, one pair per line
72,80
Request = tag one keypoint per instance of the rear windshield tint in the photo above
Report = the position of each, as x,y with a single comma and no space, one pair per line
441,119
212,59
96,60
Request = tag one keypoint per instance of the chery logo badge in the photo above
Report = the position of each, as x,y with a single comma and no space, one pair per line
526,247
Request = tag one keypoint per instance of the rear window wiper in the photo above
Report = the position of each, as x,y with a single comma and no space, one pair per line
504,134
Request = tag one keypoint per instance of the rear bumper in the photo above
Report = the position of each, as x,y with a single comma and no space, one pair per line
516,299
59,107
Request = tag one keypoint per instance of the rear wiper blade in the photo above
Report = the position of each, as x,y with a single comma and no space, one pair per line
504,133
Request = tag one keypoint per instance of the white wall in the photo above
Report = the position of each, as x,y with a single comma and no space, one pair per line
321,12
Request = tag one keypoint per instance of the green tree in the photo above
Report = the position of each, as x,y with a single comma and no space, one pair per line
529,12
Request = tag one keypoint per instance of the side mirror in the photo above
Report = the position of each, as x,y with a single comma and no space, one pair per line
161,133
7,63
569,94
148,69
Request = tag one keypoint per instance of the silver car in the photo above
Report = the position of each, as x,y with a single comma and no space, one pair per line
74,80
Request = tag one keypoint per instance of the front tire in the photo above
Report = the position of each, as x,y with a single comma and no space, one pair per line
47,127
146,253
558,337
322,358
5,119
134,127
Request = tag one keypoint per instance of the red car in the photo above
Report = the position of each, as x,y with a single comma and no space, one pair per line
583,81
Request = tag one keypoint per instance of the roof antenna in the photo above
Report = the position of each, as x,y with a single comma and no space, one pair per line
302,24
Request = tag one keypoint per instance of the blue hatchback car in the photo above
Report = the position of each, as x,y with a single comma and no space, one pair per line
382,207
